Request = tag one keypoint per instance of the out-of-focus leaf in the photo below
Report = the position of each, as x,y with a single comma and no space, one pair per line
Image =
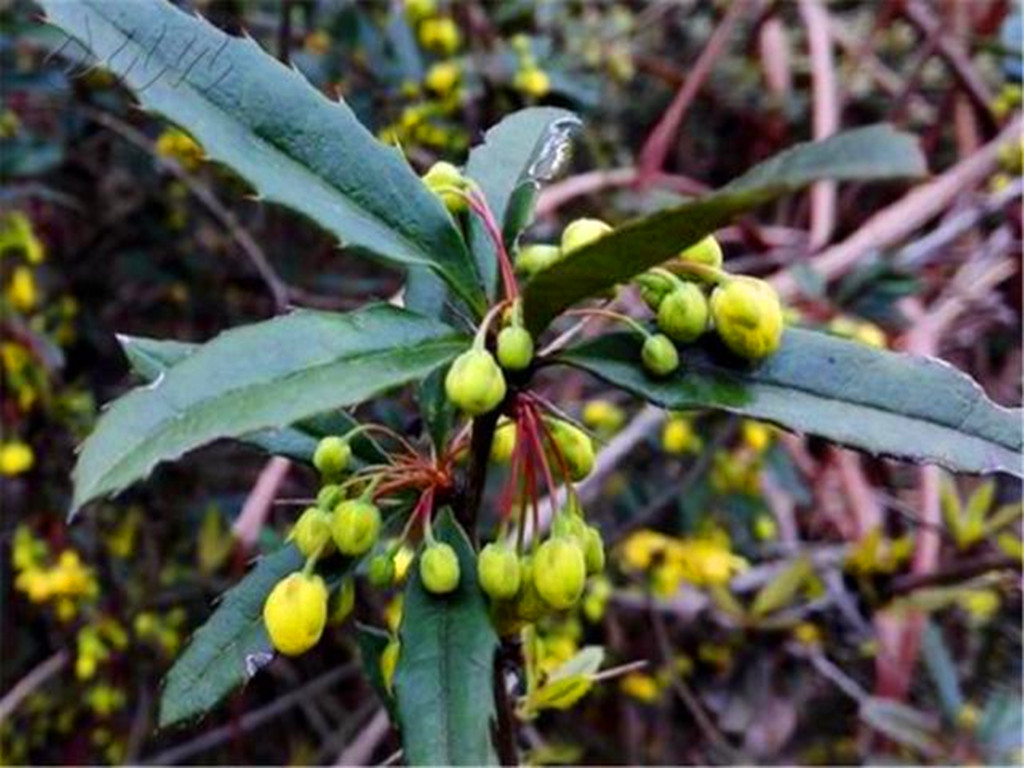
557,694
915,408
902,724
436,409
780,591
372,642
261,376
875,152
939,663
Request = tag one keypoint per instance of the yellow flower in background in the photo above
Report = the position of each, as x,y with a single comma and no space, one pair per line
706,563
875,554
641,548
177,145
640,686
532,81
679,437
858,330
442,77
756,435
18,237
16,458
440,36
807,633
317,42
22,292
603,416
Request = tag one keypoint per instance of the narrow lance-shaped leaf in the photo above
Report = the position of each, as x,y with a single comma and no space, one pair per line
876,152
262,376
915,408
444,680
294,145
151,358
516,156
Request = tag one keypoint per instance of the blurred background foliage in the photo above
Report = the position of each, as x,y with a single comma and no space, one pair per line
761,576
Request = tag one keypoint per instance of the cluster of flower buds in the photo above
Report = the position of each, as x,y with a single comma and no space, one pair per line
692,295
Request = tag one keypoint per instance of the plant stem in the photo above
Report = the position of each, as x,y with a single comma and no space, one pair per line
505,726
468,502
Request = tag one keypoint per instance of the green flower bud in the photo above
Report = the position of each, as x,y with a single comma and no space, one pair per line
654,287
576,447
504,443
659,355
343,601
382,571
560,572
748,316
441,179
593,550
355,527
529,605
683,314
475,383
389,662
499,572
582,232
329,496
569,524
295,613
332,456
707,251
439,568
312,532
532,259
515,348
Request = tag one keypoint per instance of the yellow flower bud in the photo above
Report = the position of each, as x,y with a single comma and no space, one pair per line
706,251
535,258
417,10
22,292
560,572
576,448
475,383
515,348
654,287
343,601
389,662
529,604
583,232
355,526
382,571
603,416
593,550
295,613
659,355
499,571
439,568
683,314
504,443
312,532
748,316
444,179
332,456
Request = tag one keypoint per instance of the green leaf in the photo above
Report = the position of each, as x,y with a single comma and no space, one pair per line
517,154
587,661
438,412
875,152
557,694
295,146
372,642
260,376
901,723
914,408
152,357
230,647
444,680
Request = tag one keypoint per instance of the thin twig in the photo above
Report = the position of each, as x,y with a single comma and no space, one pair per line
361,750
30,682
